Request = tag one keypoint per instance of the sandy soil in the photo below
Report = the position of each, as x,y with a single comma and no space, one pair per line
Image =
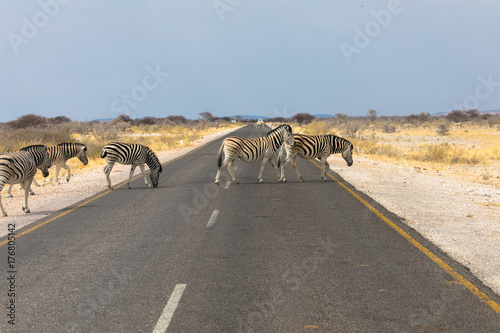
459,216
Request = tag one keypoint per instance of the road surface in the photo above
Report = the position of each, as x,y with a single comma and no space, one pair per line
191,256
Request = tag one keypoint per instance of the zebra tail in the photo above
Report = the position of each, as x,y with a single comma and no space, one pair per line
219,159
279,155
103,153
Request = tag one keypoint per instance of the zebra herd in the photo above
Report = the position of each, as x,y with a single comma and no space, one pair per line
20,167
283,139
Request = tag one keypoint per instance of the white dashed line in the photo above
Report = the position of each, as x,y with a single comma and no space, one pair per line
212,218
168,311
227,185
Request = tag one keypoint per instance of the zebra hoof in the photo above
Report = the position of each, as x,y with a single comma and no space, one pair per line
10,196
261,181
26,210
216,182
236,181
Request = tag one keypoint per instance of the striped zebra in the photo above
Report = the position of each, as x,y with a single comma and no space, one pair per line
62,152
20,168
315,146
253,150
131,154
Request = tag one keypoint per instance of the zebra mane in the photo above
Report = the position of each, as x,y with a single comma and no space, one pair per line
152,158
78,144
32,147
279,129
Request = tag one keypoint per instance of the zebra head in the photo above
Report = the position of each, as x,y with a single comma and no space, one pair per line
347,154
82,155
155,176
284,132
154,166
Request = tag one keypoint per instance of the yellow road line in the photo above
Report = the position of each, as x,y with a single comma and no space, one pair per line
422,248
100,195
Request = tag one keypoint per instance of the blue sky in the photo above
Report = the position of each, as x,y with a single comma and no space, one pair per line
93,59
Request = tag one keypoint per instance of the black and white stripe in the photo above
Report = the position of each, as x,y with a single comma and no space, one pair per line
131,154
315,146
253,150
62,152
20,168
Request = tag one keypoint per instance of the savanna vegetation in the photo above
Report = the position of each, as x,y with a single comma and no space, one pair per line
465,142
459,138
157,133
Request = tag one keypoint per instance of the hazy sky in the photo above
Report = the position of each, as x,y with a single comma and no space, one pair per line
93,59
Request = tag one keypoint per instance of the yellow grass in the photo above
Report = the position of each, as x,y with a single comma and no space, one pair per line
471,151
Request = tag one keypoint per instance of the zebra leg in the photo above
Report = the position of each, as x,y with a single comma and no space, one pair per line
282,177
58,167
9,194
271,161
294,166
324,167
36,184
264,160
230,169
141,166
4,213
107,171
132,169
217,176
26,186
68,176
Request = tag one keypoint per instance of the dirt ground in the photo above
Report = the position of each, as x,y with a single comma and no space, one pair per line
460,216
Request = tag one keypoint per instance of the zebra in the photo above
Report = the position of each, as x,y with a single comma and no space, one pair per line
20,168
131,154
253,150
62,152
315,146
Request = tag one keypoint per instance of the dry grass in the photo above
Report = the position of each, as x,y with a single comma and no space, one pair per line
471,151
95,135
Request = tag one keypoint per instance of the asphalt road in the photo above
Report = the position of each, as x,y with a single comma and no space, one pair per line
273,257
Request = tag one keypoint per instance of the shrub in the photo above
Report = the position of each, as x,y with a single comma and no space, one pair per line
443,129
388,128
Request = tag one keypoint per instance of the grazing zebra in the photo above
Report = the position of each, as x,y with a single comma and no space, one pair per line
315,146
253,150
62,152
20,168
131,154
